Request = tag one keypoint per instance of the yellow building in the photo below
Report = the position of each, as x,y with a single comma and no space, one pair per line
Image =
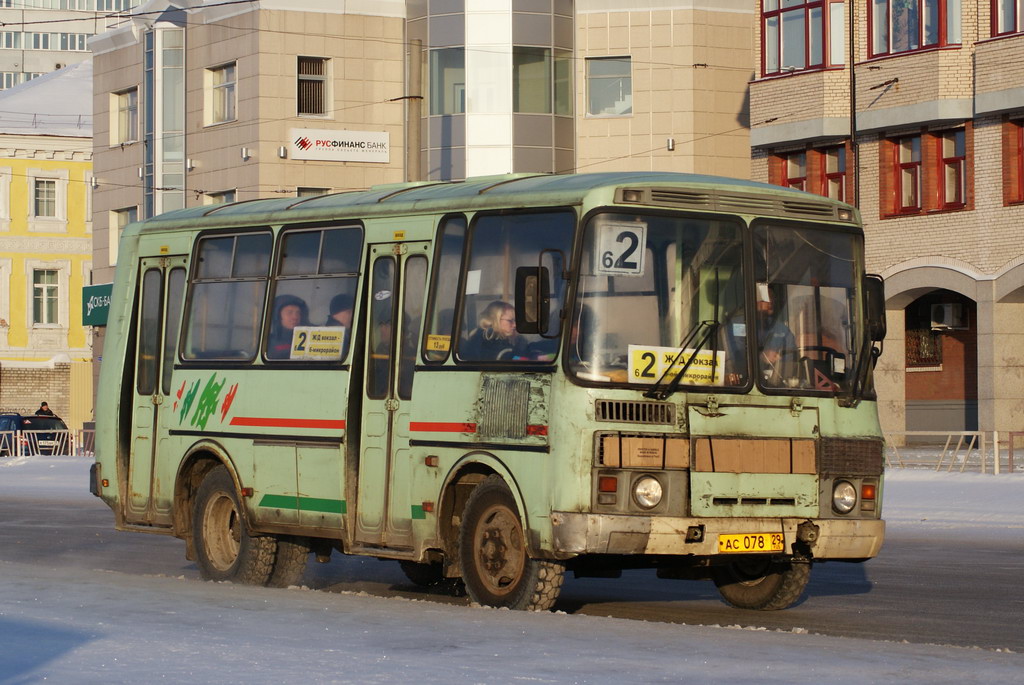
46,244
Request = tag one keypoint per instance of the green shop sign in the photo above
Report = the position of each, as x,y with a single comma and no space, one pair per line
96,304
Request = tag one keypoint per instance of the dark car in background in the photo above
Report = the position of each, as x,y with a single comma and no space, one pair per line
40,434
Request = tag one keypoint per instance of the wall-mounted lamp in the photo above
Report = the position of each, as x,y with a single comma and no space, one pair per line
190,164
282,152
245,153
93,183
670,144
142,173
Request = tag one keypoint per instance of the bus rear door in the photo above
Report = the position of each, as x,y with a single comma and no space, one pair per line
159,316
398,277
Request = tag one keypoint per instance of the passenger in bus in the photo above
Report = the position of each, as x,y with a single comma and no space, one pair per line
289,311
776,342
496,339
341,315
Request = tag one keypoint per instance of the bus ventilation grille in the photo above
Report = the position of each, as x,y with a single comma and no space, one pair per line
851,457
748,204
504,407
633,411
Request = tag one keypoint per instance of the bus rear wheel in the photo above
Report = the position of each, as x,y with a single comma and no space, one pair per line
762,584
496,566
224,548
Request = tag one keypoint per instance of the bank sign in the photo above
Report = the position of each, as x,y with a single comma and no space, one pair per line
340,146
96,304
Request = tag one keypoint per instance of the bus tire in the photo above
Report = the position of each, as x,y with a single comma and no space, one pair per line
496,567
290,561
224,548
763,585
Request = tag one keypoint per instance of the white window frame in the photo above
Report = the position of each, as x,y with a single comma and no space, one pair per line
48,224
224,94
123,135
45,338
5,301
5,198
114,229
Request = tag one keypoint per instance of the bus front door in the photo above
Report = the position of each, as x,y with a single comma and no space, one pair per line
398,276
148,499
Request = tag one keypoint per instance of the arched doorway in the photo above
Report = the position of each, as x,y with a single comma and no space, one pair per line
941,357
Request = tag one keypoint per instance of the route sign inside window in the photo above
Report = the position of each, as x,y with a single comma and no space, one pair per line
621,248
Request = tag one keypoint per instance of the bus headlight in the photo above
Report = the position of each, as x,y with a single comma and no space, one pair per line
844,497
647,492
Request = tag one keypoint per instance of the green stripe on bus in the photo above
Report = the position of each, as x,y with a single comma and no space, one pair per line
327,506
417,512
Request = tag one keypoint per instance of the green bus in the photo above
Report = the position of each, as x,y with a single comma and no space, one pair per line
499,380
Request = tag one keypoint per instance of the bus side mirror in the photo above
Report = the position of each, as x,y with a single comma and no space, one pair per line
533,299
874,306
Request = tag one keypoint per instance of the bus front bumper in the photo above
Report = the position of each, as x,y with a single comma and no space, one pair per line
575,533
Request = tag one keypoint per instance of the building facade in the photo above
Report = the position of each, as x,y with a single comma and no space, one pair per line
46,244
923,133
40,36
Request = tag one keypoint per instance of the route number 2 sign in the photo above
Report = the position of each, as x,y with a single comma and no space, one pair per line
621,249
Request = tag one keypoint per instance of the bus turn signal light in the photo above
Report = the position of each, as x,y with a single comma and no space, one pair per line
607,484
867,491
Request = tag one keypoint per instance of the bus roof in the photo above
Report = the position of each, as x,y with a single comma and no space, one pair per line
440,196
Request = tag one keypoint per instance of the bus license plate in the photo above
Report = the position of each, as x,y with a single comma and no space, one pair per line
749,543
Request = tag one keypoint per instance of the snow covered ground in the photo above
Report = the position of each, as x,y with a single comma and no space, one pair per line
69,625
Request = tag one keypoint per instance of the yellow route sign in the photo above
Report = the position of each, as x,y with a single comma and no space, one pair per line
647,364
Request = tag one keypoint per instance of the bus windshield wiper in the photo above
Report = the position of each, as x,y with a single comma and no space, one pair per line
860,374
662,390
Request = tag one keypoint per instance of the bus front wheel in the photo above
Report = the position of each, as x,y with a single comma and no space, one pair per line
224,548
496,567
762,584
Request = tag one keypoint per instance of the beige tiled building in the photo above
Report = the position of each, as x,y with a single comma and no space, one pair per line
933,159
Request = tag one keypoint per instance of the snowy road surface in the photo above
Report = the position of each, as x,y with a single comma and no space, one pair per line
72,614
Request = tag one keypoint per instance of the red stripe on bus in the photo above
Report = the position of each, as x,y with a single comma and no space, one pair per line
439,427
337,424
536,430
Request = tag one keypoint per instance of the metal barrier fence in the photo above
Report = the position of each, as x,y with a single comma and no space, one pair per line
45,442
948,451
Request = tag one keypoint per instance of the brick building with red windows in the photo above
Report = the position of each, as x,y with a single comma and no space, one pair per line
926,136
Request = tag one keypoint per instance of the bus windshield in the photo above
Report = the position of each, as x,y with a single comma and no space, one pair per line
656,290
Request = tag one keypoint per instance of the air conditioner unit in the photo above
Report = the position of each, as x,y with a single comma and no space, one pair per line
949,317
59,65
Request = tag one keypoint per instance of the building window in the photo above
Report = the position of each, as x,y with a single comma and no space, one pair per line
796,170
44,296
10,40
8,79
908,174
309,191
219,198
119,218
1006,17
222,93
798,34
540,81
44,198
834,172
952,156
127,129
609,86
448,81
905,25
1013,161
311,98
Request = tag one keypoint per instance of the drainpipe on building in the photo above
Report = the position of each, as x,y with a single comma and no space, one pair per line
854,148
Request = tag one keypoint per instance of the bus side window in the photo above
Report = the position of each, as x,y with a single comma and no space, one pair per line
314,290
444,291
226,296
501,243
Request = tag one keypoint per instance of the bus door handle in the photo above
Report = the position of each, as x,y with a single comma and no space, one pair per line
391,404
157,399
